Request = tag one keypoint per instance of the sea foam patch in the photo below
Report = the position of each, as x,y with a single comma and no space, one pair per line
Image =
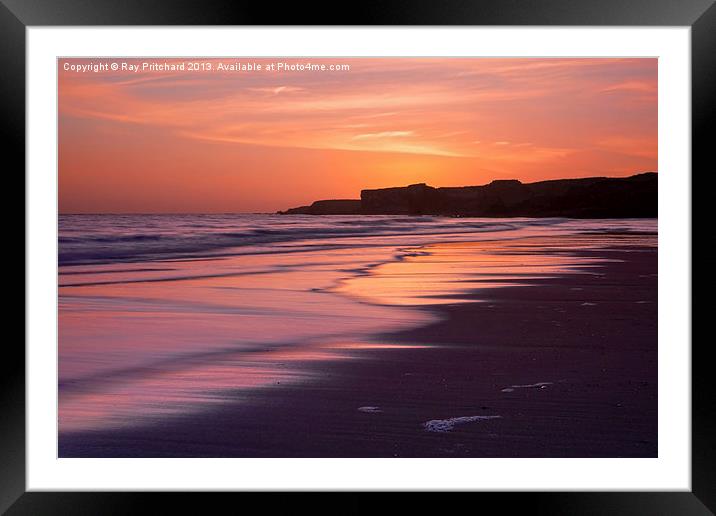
539,385
369,409
445,425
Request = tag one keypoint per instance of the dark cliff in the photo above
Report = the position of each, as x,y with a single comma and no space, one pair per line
329,207
594,197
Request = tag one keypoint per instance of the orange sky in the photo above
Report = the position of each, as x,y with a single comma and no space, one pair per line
232,141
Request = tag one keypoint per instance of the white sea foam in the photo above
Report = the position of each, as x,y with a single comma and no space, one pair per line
446,425
369,409
539,385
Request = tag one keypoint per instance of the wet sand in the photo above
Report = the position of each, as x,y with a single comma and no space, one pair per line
563,366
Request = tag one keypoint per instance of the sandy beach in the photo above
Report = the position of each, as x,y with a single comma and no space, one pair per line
537,346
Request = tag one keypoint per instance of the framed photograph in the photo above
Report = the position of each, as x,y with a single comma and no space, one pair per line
427,248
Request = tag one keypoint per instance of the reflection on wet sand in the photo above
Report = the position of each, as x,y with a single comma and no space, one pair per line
447,273
139,343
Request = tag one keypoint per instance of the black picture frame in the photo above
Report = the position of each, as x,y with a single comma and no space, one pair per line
17,15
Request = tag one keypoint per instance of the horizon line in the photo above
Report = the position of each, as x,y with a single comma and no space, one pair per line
333,199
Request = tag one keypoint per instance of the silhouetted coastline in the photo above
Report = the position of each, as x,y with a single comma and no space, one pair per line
592,197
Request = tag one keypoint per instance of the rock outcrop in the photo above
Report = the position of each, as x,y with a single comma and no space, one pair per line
594,197
329,207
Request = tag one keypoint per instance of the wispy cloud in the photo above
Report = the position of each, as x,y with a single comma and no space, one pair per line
278,89
382,134
632,86
450,102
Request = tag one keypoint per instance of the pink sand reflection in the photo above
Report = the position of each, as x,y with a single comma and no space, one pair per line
451,273
140,398
139,344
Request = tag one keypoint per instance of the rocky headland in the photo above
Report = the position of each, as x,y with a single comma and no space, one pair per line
593,197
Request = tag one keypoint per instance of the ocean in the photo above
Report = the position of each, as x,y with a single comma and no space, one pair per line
107,239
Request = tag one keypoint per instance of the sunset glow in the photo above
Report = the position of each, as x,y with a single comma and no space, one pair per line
260,141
